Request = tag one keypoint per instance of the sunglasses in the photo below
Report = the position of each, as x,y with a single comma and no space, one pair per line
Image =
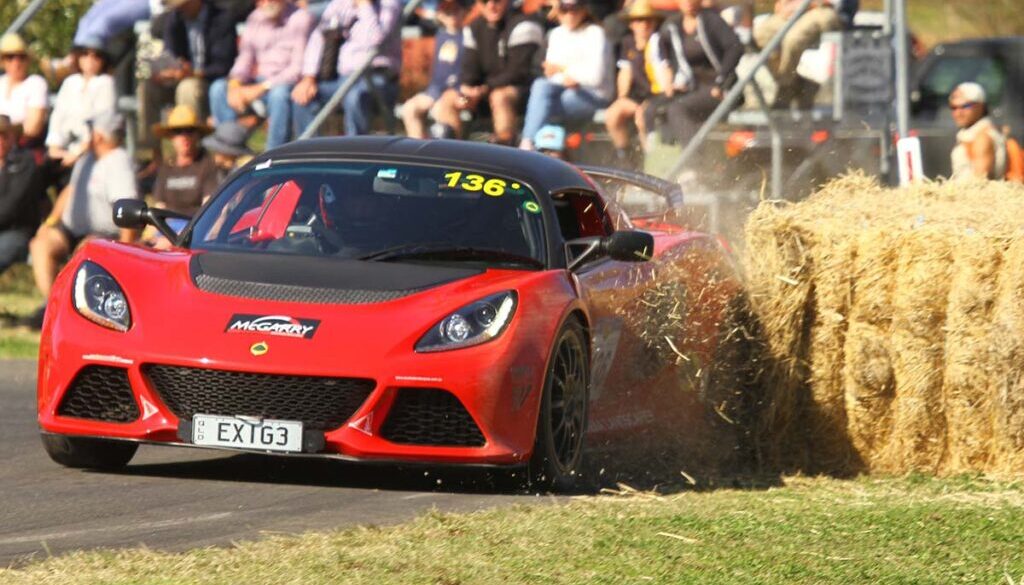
14,57
963,106
181,132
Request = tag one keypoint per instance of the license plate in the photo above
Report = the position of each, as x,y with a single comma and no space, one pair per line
247,433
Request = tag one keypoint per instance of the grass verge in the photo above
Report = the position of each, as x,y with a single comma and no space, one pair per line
18,298
909,530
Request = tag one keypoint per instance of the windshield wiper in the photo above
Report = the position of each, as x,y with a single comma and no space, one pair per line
448,251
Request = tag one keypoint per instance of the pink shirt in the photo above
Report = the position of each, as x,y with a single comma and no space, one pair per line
271,50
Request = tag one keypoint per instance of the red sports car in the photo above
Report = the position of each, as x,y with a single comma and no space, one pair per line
378,299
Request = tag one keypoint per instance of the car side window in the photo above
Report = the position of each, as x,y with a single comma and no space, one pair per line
949,71
582,215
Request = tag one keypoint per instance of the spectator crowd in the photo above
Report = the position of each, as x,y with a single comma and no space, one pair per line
205,74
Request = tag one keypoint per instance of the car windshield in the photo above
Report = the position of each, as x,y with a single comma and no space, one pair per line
376,212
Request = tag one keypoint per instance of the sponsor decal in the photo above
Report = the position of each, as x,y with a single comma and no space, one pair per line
279,325
259,348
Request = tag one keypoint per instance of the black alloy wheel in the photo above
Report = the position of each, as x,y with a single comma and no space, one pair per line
562,424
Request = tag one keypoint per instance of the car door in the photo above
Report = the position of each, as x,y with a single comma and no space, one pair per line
654,324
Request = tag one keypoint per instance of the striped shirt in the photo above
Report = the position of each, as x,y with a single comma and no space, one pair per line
368,24
272,49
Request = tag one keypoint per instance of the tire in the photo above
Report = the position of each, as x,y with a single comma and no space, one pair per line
562,422
88,452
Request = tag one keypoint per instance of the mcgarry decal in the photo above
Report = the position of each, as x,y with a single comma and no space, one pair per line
280,325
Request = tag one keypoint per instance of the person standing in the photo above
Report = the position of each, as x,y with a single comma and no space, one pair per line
497,69
446,67
703,52
576,65
349,31
21,186
980,151
23,97
268,66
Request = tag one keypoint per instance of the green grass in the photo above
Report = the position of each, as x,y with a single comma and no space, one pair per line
910,530
18,298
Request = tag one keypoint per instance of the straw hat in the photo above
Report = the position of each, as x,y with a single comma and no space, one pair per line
181,118
13,44
641,10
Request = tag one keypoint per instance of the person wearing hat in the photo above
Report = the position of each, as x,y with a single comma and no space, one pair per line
185,180
200,37
576,79
23,97
444,74
980,151
21,191
643,75
82,97
85,208
229,149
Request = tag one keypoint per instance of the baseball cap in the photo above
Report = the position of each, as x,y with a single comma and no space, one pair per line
109,124
971,92
550,137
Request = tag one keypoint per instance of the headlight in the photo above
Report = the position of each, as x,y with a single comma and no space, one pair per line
100,299
473,324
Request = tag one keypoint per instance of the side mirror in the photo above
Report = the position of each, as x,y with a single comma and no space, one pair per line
130,214
623,245
134,214
629,246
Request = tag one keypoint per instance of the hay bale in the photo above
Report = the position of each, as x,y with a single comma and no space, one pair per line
918,342
967,380
869,383
894,326
1007,373
833,261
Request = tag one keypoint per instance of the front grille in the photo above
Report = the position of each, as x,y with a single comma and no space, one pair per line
320,403
296,294
100,393
430,417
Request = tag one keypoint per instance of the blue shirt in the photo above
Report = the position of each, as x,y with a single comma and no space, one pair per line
107,18
447,63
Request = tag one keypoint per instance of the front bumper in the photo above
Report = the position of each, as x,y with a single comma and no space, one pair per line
497,384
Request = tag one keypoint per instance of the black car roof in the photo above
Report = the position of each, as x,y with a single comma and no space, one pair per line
544,173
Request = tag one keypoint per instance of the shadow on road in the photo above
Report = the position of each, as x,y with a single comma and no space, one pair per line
255,468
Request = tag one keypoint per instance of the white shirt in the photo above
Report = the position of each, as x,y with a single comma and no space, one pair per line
585,54
15,102
78,101
97,184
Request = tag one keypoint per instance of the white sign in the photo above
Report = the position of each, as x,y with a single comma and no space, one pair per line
908,158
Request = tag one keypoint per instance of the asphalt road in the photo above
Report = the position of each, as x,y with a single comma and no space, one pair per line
177,498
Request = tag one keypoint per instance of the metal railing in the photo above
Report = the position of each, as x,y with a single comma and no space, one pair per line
332,104
732,98
25,16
